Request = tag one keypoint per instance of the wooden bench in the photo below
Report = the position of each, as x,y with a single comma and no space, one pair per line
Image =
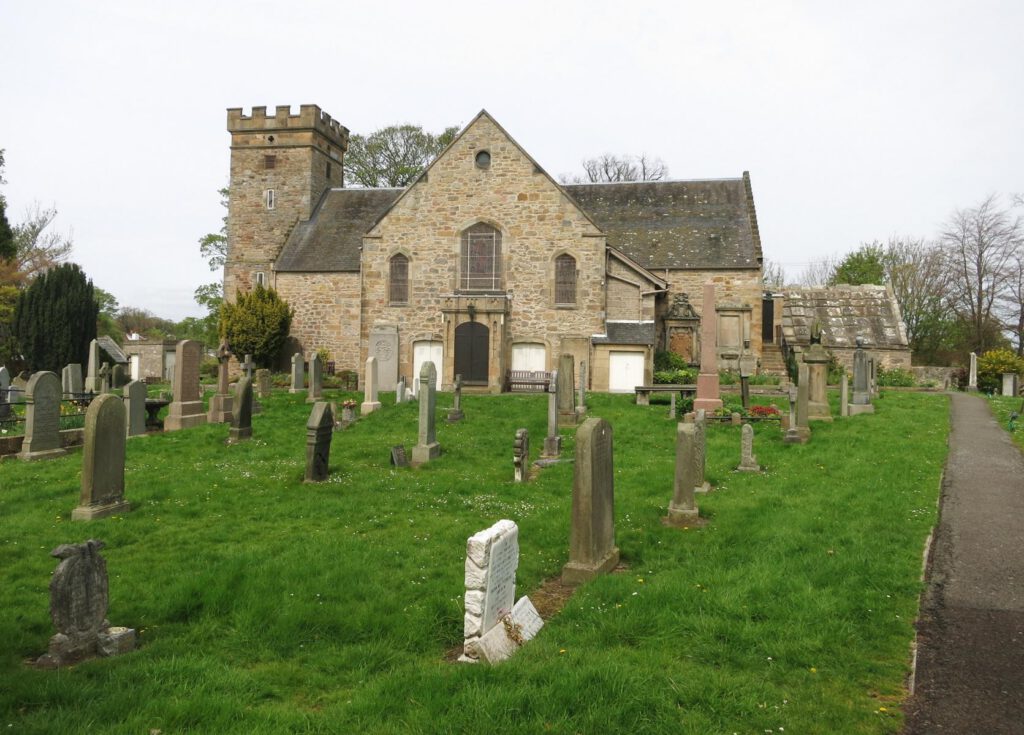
643,392
527,380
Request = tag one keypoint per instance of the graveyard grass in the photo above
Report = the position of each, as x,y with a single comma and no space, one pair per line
1003,407
265,605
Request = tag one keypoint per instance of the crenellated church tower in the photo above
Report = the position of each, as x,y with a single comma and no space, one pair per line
280,166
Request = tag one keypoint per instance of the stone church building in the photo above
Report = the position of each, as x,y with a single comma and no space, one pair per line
485,263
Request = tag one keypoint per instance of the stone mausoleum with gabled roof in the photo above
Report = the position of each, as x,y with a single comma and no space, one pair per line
484,263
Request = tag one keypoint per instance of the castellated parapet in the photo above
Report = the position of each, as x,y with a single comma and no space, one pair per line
309,117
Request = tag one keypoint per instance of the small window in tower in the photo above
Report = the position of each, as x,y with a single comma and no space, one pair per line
269,198
483,159
261,278
269,162
328,170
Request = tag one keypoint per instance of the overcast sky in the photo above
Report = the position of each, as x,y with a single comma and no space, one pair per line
856,120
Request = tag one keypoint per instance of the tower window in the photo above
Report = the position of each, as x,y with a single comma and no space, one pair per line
398,280
269,198
481,259
565,280
269,162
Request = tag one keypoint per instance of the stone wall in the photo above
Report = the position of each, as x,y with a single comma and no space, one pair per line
326,315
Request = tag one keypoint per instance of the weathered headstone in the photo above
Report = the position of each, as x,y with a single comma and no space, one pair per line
972,375
400,392
103,460
399,458
861,381
5,395
319,432
521,455
264,386
735,418
135,408
348,414
455,414
493,627
93,382
298,374
873,377
186,410
241,420
844,394
371,401
581,403
748,364
118,377
700,444
817,359
427,447
71,380
316,380
567,416
1009,384
105,378
592,549
19,384
672,405
383,345
553,440
221,403
800,432
42,418
748,462
79,596
708,394
682,510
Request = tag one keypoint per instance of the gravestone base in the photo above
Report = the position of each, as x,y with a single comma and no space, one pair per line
220,409
552,446
753,467
818,411
65,650
368,407
95,512
576,573
455,415
239,435
500,642
856,408
568,420
707,385
797,435
703,488
184,416
31,456
423,453
681,516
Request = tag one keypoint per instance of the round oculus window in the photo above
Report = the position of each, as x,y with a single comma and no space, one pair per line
483,159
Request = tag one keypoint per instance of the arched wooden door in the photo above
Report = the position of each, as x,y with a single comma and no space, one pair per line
472,347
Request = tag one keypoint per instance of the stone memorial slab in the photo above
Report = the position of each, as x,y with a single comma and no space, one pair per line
592,549
1009,384
298,373
264,386
800,432
708,392
581,403
118,377
566,391
221,403
383,345
748,462
19,384
319,432
672,406
93,382
400,392
71,380
515,629
700,445
5,394
79,597
817,358
316,379
186,410
861,381
398,456
135,408
553,440
521,455
682,510
42,418
371,400
105,380
844,395
241,419
972,375
455,414
427,447
103,460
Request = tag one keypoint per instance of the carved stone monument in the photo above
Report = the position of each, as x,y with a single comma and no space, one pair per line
186,410
71,381
748,462
316,380
972,375
400,392
103,460
42,418
553,440
521,455
221,402
592,549
427,447
371,402
861,381
581,404
844,394
566,391
5,394
455,414
817,360
800,433
264,386
700,447
135,407
298,373
93,382
682,510
241,421
707,380
383,345
319,432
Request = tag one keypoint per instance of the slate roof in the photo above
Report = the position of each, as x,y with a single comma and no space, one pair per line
677,224
330,240
626,333
110,347
845,312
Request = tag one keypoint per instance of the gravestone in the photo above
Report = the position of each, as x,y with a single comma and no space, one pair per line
316,380
319,432
682,510
371,401
383,345
566,392
42,418
427,447
400,392
118,377
399,458
861,381
93,382
5,395
553,440
1009,384
817,359
221,403
103,460
247,366
455,414
241,420
135,408
972,376
748,462
800,432
521,455
873,377
493,627
71,380
748,364
844,394
581,403
79,596
672,405
348,414
735,418
105,378
186,410
263,383
298,374
249,370
708,393
700,444
592,549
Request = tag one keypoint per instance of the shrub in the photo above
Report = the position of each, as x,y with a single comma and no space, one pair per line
895,377
764,379
768,410
992,365
679,376
666,360
256,324
728,377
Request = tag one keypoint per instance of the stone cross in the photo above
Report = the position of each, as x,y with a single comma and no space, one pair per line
800,432
455,414
682,511
103,460
427,447
316,379
567,416
298,373
42,418
400,392
79,595
844,394
553,440
708,396
592,549
748,462
700,452
241,421
93,384
71,380
221,403
5,396
263,383
186,410
521,455
582,401
319,432
371,402
248,366
135,408
972,376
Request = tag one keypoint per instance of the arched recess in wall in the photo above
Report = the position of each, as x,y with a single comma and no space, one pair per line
481,258
398,279
565,274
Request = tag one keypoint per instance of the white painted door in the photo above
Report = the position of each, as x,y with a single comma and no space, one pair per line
529,356
625,371
422,352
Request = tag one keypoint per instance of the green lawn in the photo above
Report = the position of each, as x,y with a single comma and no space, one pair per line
267,605
1002,408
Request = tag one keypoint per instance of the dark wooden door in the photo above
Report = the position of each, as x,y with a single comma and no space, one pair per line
768,321
472,345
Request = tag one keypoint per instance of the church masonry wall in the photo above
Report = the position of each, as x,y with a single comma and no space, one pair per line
326,314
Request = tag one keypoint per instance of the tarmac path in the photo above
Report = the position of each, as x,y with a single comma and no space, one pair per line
970,660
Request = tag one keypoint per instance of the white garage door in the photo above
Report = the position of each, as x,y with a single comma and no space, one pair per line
426,352
529,356
625,371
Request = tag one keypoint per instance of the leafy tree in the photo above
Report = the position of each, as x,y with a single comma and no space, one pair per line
55,318
915,271
214,245
7,246
609,168
106,323
37,248
992,365
393,156
256,324
864,265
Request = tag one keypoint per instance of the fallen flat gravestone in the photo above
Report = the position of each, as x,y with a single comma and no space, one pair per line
398,456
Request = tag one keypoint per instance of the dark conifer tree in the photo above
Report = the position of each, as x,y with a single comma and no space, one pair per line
55,319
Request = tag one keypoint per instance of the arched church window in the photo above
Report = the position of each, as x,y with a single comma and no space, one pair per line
480,266
398,280
565,280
